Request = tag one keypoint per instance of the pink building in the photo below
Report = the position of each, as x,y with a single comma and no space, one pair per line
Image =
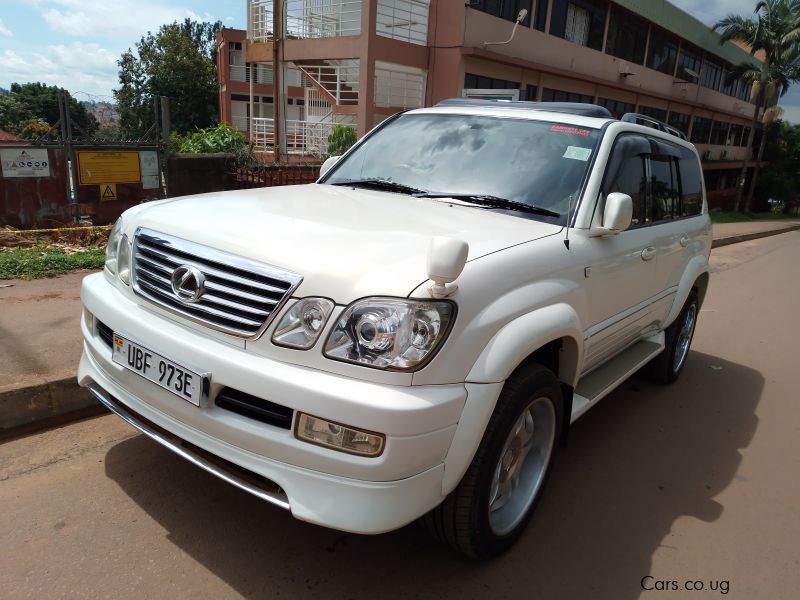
359,61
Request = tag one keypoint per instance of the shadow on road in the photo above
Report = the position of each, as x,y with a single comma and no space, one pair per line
646,456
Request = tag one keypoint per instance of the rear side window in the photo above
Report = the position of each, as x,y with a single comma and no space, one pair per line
663,202
691,184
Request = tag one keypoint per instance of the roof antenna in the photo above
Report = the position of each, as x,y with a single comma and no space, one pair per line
569,219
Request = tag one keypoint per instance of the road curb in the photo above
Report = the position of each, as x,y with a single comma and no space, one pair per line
38,406
33,408
735,239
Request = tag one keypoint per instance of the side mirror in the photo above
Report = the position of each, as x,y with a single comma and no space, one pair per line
617,214
326,166
446,260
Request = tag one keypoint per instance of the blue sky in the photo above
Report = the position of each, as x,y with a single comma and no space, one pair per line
75,43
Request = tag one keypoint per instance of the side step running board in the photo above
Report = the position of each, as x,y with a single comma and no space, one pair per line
603,380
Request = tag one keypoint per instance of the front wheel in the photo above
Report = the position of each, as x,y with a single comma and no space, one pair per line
667,366
490,508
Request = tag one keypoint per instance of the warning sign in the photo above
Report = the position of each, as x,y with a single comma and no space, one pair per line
108,191
27,162
99,168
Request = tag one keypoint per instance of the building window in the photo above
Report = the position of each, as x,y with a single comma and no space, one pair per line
550,95
663,51
730,85
689,64
479,82
541,15
655,113
712,74
627,37
719,133
580,21
529,93
735,135
745,91
745,136
679,121
505,9
701,130
616,107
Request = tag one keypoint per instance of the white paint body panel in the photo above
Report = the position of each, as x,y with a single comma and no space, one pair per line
522,287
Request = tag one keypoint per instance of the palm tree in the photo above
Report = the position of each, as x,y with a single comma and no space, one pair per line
774,30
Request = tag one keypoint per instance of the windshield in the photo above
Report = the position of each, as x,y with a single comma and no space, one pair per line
538,163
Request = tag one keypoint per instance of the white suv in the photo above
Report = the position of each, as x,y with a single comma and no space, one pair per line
413,334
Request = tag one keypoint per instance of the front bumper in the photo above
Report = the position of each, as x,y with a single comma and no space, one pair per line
322,486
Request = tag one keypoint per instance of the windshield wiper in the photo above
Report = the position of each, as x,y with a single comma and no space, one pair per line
382,184
492,201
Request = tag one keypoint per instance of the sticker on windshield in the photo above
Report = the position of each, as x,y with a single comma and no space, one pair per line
578,153
570,130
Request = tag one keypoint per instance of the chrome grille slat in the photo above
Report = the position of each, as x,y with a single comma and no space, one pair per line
240,296
211,271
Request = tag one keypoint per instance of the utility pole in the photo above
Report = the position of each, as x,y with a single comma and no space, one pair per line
277,81
166,130
66,140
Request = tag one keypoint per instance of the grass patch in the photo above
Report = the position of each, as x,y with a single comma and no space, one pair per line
31,263
721,216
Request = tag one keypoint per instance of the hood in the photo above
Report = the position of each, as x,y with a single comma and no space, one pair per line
346,243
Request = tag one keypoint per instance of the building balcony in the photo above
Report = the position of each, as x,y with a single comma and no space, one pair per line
404,20
305,138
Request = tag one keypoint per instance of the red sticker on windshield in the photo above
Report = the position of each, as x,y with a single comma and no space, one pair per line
570,130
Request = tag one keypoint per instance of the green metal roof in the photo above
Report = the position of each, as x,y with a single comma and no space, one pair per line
684,25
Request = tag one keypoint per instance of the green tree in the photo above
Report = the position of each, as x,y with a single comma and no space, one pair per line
771,30
179,62
13,114
40,101
780,179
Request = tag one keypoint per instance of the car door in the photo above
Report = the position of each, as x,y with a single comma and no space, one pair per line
619,269
674,209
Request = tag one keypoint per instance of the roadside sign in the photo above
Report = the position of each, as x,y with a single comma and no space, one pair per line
25,162
105,167
150,175
108,191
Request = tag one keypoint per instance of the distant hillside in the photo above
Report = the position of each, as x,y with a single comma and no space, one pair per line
105,112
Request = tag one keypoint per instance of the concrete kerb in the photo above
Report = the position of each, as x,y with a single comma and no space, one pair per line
735,239
30,409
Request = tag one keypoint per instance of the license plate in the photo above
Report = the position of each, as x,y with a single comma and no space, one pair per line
171,376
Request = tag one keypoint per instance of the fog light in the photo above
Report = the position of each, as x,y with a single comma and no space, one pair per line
339,437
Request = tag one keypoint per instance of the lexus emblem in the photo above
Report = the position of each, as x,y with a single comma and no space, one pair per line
188,283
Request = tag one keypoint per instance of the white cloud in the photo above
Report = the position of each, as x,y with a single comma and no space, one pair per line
78,67
112,18
5,31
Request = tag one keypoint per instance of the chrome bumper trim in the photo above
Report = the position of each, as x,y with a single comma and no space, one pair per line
241,478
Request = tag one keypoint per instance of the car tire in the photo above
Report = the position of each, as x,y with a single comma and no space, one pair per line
490,507
667,366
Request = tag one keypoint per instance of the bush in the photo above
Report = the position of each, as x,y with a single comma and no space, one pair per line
340,139
222,138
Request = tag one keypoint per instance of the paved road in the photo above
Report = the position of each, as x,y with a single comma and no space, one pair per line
698,481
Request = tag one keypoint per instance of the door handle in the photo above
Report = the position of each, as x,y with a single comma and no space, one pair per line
648,253
685,241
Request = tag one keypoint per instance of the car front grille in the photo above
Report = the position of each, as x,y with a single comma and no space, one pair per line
236,295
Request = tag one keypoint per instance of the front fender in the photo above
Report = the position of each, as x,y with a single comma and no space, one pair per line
521,337
697,267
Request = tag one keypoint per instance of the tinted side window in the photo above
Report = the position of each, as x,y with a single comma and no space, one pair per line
663,202
691,184
626,172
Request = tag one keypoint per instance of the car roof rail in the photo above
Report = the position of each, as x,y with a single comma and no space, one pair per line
572,108
640,119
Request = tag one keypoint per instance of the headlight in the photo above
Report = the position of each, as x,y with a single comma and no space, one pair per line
112,247
124,260
390,333
301,325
